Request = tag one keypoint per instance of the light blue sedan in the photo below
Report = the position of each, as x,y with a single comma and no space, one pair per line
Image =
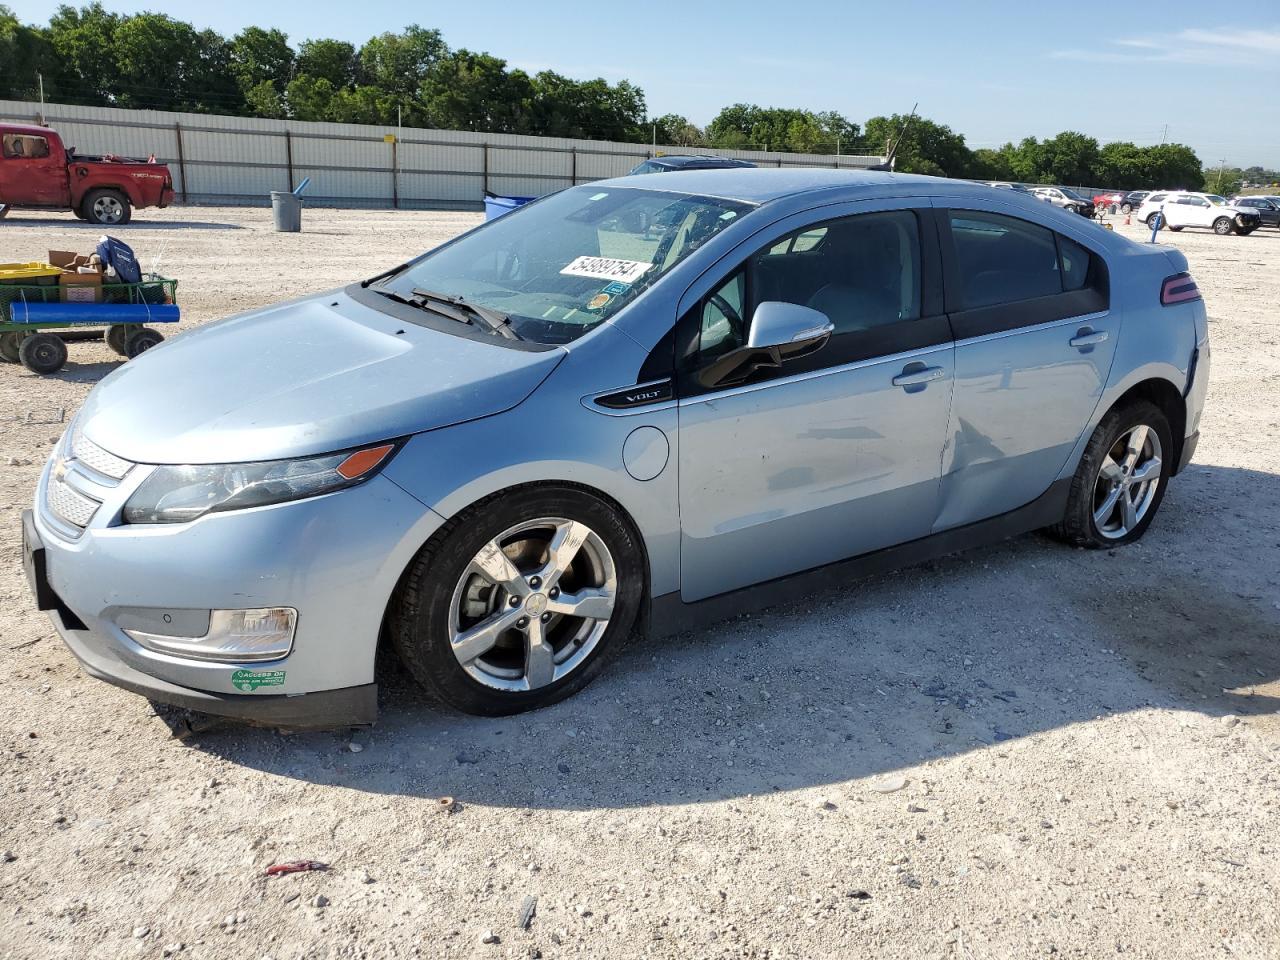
636,404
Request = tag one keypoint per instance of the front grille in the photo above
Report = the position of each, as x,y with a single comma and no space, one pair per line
69,505
95,458
82,476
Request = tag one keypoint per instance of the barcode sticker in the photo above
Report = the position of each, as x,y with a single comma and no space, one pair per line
607,268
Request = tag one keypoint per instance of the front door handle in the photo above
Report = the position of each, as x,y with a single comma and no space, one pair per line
1089,338
911,378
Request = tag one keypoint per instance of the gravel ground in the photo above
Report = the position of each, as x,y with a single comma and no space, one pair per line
1020,751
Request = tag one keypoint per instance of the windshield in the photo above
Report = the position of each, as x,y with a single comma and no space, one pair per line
1070,194
1215,199
564,265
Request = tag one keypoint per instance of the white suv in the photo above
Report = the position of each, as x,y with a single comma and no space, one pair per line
1183,209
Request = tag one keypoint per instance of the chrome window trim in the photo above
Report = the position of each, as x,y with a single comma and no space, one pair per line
812,374
1048,325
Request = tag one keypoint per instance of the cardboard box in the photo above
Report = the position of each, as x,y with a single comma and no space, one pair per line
76,287
80,288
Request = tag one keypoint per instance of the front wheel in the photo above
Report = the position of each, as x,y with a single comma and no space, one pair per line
1245,231
1222,226
1126,208
1121,479
519,601
9,344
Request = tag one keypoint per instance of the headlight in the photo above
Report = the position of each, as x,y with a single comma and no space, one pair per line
177,494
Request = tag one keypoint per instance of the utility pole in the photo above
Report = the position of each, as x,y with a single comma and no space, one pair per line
1164,136
1221,168
40,81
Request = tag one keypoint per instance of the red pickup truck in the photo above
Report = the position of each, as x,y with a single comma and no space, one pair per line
36,170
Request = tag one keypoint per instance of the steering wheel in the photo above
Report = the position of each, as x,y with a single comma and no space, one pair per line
736,324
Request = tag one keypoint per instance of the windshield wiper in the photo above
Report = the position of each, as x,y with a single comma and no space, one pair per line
456,308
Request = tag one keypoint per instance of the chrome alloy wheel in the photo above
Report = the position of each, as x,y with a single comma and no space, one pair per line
1127,482
108,209
532,604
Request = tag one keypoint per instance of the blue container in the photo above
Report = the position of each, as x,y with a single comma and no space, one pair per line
495,206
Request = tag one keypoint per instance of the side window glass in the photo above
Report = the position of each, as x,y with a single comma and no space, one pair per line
723,322
862,272
1003,259
1075,264
20,146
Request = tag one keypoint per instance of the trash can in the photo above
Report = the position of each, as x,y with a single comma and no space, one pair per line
286,210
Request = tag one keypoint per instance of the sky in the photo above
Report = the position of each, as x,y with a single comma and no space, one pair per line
1193,73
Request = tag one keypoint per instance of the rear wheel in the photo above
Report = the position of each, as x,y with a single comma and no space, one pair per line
141,341
1222,226
519,601
9,345
1121,479
1126,208
110,208
43,353
117,337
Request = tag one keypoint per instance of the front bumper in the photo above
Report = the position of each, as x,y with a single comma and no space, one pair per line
335,559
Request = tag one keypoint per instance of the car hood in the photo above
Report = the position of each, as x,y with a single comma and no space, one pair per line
312,376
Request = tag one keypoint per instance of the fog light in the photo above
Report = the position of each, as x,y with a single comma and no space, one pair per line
234,636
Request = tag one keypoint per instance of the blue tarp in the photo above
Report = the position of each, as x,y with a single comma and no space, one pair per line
93,313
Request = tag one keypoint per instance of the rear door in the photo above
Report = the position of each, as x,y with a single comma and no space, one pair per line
31,171
826,456
1035,337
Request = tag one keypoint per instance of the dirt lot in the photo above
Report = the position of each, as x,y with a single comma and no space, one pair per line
1022,751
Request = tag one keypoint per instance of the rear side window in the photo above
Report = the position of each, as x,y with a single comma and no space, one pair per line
22,146
1076,262
1003,259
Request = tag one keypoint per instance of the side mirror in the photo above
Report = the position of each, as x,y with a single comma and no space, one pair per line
788,328
779,331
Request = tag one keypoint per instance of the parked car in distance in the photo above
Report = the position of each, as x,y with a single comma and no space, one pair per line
1180,209
1006,185
1267,208
570,421
36,170
1065,199
1132,200
667,164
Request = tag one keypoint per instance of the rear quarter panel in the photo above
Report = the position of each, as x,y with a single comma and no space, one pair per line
143,184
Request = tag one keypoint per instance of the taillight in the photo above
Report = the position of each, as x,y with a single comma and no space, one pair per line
1179,288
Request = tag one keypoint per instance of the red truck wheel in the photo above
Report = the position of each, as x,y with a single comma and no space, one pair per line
107,207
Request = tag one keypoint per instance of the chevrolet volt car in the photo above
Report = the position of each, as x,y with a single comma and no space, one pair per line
636,405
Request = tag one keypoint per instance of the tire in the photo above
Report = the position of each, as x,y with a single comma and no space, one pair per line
1175,229
1222,226
444,596
1126,208
1245,231
141,341
117,338
110,208
1090,491
1155,220
10,343
43,353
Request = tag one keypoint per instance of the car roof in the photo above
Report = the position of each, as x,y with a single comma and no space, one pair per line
25,129
763,184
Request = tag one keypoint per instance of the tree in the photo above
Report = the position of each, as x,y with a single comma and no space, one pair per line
24,53
84,44
1122,165
925,147
745,125
1070,158
157,59
398,63
331,60
474,91
261,57
1173,165
671,129
309,98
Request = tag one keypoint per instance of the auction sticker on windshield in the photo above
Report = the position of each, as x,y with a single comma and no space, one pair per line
607,268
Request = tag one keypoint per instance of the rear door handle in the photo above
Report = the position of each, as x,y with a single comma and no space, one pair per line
911,378
1089,339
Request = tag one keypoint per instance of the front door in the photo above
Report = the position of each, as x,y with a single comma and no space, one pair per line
830,455
30,174
1035,337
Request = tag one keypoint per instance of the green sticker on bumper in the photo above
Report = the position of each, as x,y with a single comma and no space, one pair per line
250,680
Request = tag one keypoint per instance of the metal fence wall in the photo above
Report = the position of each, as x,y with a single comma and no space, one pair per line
239,160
